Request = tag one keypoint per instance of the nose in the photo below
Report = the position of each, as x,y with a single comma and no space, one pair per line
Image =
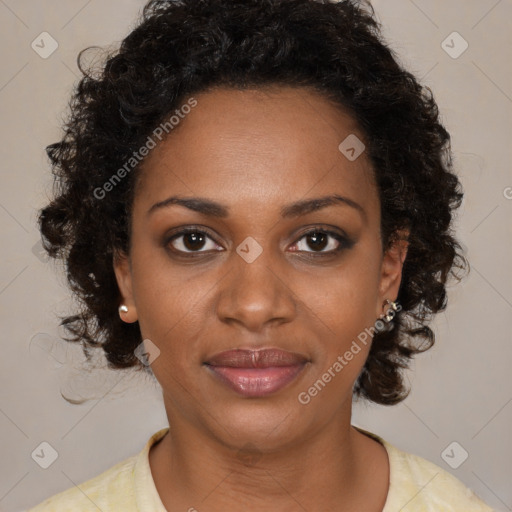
255,295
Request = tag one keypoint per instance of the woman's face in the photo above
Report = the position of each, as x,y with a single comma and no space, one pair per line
274,268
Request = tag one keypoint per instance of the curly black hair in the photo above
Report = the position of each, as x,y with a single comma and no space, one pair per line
183,47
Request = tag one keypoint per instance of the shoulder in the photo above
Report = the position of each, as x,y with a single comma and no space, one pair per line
111,490
128,487
418,485
424,485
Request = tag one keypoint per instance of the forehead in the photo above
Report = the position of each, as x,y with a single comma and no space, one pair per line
260,145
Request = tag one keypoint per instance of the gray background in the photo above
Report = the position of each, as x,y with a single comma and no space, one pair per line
461,389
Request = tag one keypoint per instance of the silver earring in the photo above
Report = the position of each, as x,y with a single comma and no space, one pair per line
390,313
123,309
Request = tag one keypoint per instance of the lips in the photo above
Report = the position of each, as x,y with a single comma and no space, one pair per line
256,373
256,358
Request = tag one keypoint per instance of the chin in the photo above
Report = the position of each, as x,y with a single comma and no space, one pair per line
267,425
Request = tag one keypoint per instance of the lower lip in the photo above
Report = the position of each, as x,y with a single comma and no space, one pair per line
256,382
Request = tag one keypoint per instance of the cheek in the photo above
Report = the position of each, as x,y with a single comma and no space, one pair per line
340,307
343,297
341,313
170,301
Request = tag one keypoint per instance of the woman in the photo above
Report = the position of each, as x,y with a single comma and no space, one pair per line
254,204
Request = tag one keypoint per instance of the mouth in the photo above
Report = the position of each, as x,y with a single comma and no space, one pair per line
256,373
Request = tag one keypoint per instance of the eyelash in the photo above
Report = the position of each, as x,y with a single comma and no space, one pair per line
344,242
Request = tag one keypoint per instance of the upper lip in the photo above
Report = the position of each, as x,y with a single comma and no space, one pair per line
263,358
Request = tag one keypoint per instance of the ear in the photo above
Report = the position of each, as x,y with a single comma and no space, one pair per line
391,269
123,272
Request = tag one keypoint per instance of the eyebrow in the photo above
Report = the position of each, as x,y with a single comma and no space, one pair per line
292,210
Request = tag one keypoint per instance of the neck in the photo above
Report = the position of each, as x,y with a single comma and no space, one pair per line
337,465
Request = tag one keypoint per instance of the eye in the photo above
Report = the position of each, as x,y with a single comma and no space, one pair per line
321,241
192,240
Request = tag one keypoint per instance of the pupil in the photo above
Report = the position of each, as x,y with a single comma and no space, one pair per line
319,240
193,241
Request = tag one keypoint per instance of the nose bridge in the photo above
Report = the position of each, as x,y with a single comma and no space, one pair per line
254,294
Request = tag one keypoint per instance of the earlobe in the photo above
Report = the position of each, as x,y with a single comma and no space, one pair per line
391,269
122,269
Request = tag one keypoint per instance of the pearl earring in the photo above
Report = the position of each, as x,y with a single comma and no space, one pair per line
123,309
390,313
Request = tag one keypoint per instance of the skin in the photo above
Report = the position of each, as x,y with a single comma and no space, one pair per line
256,151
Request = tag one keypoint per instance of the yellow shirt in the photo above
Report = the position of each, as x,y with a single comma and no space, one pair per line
416,485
